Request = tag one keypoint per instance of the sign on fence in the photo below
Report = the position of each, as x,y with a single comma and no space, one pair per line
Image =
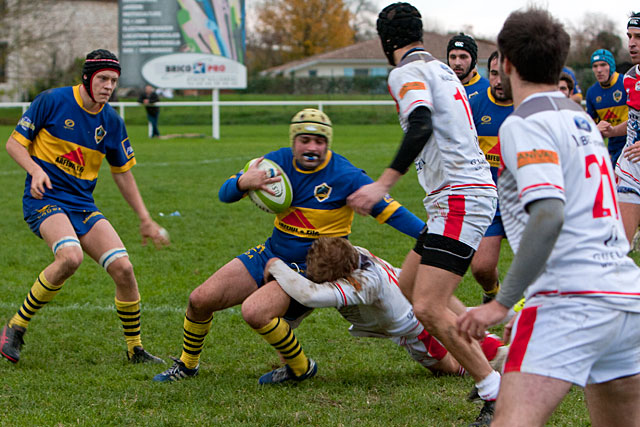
185,44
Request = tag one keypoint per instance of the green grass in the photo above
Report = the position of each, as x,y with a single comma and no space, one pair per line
73,369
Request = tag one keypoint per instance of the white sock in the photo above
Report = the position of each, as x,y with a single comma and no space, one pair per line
488,388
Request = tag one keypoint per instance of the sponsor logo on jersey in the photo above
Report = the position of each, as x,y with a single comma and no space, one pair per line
127,149
537,157
617,95
486,120
638,85
72,162
598,99
582,123
322,192
472,94
69,124
411,86
610,116
26,124
297,223
100,133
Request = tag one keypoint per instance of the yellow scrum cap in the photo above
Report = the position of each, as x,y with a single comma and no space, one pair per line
311,122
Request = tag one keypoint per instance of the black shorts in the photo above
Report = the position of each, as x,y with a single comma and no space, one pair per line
444,252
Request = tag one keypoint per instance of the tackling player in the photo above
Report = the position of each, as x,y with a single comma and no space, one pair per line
607,99
61,141
462,57
490,109
321,181
440,138
364,289
580,322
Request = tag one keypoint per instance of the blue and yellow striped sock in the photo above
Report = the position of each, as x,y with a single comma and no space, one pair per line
194,333
40,294
278,333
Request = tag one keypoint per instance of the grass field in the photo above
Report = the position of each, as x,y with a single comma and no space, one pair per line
73,369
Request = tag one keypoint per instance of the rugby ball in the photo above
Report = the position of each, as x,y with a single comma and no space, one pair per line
283,193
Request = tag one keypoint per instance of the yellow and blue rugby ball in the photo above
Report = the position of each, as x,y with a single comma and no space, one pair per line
283,192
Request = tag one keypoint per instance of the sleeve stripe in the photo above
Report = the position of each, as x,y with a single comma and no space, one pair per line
386,213
539,187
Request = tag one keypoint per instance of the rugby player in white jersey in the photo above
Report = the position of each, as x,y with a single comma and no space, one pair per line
580,321
364,289
440,138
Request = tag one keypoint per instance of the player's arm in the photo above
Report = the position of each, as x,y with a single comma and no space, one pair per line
610,131
398,217
235,187
419,131
126,183
301,289
39,179
546,217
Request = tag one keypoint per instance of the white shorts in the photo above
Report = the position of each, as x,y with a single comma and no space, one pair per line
461,217
627,184
575,342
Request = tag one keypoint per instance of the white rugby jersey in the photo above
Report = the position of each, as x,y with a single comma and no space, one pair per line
451,161
628,171
552,149
378,309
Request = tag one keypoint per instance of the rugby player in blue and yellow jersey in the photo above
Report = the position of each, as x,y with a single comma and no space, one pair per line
462,57
490,109
607,99
61,141
321,181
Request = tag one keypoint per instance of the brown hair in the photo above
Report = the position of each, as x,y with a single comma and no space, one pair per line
536,44
332,258
567,78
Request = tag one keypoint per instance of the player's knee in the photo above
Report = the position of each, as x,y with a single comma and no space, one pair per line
121,270
69,259
199,305
427,313
252,315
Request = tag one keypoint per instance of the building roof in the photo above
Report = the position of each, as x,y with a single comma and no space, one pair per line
370,52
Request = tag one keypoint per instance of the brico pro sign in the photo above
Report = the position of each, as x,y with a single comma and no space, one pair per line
195,71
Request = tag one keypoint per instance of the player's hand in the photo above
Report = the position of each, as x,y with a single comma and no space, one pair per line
39,183
149,229
605,128
363,199
257,179
473,323
632,152
506,335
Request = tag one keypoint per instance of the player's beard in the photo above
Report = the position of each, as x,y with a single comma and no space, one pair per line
506,84
500,98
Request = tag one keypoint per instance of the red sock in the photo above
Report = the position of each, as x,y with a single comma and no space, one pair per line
490,345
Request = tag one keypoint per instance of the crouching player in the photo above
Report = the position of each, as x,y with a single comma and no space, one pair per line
364,289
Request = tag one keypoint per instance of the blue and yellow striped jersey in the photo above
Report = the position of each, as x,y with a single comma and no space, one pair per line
319,206
488,115
69,143
609,103
476,86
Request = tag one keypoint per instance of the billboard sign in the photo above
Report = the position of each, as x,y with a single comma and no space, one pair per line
182,44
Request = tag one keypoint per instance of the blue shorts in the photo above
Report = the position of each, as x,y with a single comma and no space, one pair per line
496,228
36,211
256,258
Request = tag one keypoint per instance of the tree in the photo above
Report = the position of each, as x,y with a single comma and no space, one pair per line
595,31
364,14
294,29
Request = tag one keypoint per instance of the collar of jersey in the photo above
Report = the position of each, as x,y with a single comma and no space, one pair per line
612,81
76,95
474,79
410,51
319,167
498,103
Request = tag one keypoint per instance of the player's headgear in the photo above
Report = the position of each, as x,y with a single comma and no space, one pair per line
464,42
311,122
606,56
96,61
634,20
398,25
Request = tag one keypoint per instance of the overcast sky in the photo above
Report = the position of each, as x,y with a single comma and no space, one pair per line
486,16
